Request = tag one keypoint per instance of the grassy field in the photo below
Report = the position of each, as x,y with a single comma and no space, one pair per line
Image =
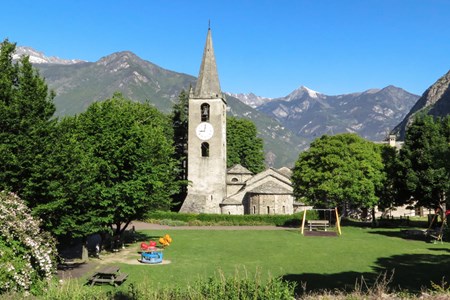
320,262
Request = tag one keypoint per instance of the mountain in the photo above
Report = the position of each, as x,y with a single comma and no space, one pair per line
286,124
371,114
435,101
77,85
37,57
250,99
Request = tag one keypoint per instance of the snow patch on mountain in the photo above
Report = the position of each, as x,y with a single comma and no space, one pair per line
37,57
250,99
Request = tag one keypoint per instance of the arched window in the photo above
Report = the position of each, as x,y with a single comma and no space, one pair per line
205,150
204,110
234,180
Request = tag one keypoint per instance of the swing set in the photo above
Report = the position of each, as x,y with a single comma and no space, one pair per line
437,232
327,224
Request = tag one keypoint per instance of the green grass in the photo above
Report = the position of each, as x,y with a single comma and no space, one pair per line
321,262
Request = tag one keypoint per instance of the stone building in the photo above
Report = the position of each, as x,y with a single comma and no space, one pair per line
213,188
267,193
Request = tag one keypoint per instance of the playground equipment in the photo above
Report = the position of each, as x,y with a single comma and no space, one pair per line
437,232
327,224
151,254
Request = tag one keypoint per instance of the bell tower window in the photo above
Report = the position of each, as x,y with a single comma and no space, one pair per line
204,110
205,150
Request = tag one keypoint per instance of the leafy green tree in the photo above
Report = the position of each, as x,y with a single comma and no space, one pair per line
425,160
62,186
107,167
243,145
390,192
180,118
26,108
341,170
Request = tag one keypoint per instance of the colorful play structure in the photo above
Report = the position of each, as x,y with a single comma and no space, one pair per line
151,254
326,224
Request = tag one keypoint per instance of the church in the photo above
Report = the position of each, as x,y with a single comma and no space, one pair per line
212,187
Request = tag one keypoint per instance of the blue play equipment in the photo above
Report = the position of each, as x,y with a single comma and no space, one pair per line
152,256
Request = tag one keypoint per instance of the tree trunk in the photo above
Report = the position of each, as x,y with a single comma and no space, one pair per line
374,219
84,250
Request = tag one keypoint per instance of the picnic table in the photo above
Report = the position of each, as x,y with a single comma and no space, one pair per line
110,275
318,223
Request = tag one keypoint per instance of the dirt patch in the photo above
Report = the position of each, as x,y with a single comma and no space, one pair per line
128,255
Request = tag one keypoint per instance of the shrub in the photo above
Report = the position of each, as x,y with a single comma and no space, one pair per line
27,255
165,218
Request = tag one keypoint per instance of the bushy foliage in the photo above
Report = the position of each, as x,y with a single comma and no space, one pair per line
341,170
223,219
243,145
26,109
105,167
215,287
27,255
425,161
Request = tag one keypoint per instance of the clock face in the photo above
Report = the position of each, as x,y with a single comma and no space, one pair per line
204,131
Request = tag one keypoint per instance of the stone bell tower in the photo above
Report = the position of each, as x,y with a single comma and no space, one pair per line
207,145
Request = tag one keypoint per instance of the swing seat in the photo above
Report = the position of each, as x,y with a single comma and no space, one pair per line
437,235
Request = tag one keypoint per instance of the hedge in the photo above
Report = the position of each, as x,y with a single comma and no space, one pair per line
293,220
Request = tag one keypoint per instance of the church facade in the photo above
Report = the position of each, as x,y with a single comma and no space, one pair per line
212,187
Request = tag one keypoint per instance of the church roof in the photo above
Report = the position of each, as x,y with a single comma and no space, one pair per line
271,188
231,201
285,171
208,85
238,169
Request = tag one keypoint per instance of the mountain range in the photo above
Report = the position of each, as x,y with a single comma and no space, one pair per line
286,124
309,114
435,101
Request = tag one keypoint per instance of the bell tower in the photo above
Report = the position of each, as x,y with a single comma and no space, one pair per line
207,146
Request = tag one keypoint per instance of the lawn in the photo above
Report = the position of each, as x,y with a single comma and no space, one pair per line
321,262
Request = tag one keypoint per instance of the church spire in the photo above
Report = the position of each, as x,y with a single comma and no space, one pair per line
208,85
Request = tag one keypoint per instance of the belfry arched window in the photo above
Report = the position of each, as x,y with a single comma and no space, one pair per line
204,111
205,149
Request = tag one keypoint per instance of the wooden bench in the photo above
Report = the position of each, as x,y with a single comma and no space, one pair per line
120,279
318,224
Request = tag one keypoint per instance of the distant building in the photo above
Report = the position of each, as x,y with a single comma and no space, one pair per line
392,141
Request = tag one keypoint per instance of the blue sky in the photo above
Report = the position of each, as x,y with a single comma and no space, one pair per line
266,47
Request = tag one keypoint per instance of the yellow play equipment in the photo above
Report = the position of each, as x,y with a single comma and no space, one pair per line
322,227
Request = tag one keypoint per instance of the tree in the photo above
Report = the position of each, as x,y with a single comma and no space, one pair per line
425,160
390,192
27,254
115,164
243,145
339,170
26,108
180,119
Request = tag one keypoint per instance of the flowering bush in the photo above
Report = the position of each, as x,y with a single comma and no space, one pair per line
27,255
